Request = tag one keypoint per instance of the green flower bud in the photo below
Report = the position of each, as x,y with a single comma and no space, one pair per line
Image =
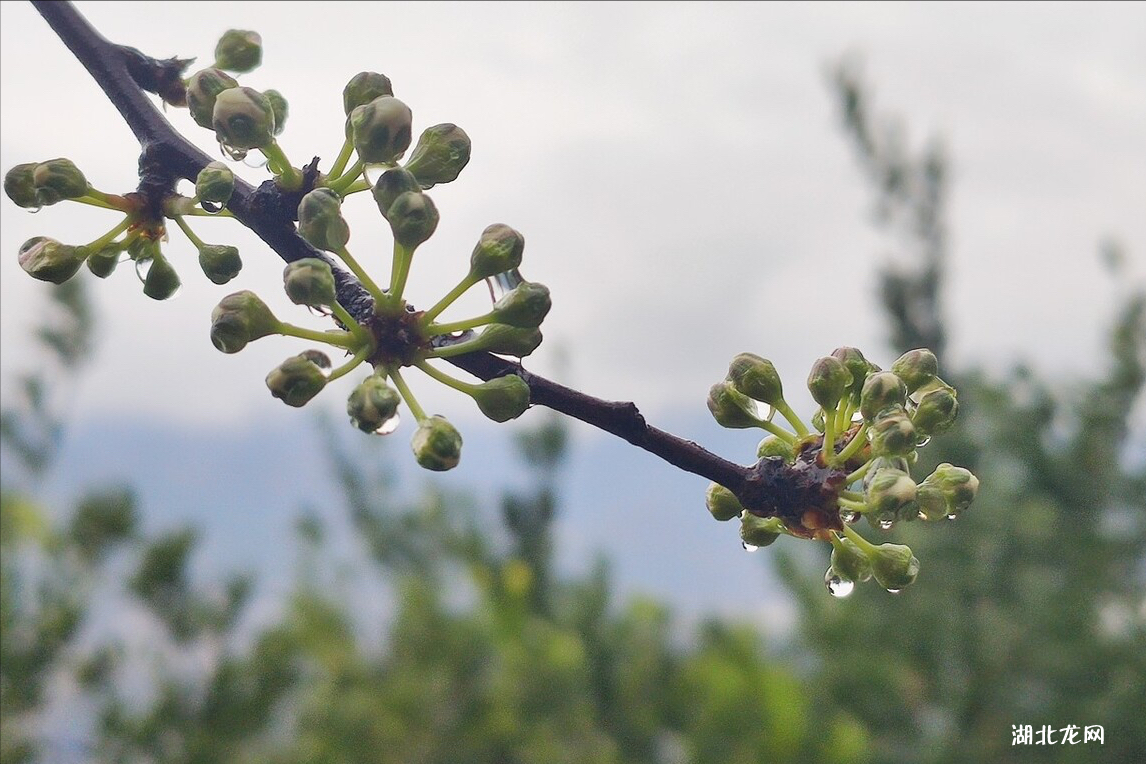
437,445
413,218
297,379
240,318
390,186
881,391
381,130
161,282
239,51
916,368
280,107
850,562
509,340
320,220
732,408
893,434
758,532
48,260
58,179
773,446
936,411
946,492
722,503
372,404
891,492
756,377
104,261
215,183
893,566
20,185
243,119
363,88
502,398
498,250
854,362
309,281
202,89
524,306
220,262
828,381
441,154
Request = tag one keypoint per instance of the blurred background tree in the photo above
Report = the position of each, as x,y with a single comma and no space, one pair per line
1028,609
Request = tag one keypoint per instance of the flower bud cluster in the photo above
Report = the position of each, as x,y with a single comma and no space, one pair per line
853,461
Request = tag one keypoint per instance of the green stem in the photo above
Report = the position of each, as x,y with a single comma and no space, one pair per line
399,272
829,447
461,326
104,240
358,185
859,473
350,365
446,379
343,157
448,300
357,329
114,201
859,540
375,292
776,430
854,496
411,401
93,202
461,348
854,445
338,338
787,412
179,221
341,184
291,178
855,506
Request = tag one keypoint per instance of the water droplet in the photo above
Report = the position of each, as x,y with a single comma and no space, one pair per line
922,515
373,172
857,418
894,591
501,283
885,523
838,586
34,210
748,547
232,153
389,425
923,441
143,267
849,516
318,358
951,516
255,163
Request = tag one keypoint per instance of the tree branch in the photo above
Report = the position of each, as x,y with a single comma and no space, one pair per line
124,75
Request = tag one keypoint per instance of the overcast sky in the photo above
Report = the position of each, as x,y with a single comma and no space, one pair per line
677,169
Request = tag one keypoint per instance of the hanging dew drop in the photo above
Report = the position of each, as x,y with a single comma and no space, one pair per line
389,426
501,283
951,516
923,441
849,516
748,547
256,164
374,172
232,153
143,267
838,586
885,523
894,591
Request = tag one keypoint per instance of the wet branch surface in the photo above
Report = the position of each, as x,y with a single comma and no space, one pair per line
125,76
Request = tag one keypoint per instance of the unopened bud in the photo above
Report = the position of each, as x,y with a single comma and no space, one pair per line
382,130
161,282
220,262
524,306
509,340
759,531
104,261
893,566
393,183
440,155
854,362
732,408
280,107
437,445
892,434
58,179
936,411
881,391
240,318
239,51
413,218
372,404
891,492
363,88
20,185
243,119
320,220
828,381
756,377
215,183
850,562
296,380
499,249
722,503
309,281
46,259
774,447
947,491
202,89
916,368
502,398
